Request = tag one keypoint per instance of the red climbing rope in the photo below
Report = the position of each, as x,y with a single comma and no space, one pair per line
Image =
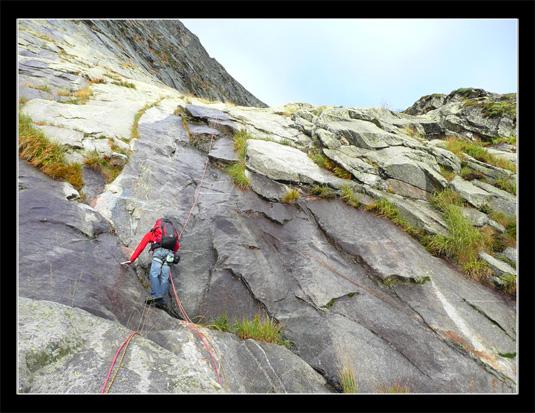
123,345
207,346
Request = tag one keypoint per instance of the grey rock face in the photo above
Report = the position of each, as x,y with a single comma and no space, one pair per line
426,104
68,350
171,53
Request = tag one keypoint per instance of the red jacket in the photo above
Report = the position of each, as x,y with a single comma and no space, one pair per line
149,237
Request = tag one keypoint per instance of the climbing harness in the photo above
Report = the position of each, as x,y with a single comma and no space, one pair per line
189,324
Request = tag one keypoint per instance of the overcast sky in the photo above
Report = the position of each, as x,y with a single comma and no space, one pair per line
361,62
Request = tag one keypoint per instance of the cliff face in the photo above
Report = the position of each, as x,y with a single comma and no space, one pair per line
342,282
163,49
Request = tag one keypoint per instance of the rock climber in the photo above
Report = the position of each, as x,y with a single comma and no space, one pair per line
165,245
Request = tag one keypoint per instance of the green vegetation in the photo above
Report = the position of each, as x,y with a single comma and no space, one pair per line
469,174
49,157
476,150
507,355
509,283
346,376
134,132
441,200
491,108
81,96
103,165
64,92
349,197
509,222
446,173
320,159
323,162
511,140
116,148
236,171
260,329
395,388
240,143
124,83
23,100
464,241
506,184
290,196
413,132
500,109
323,191
463,91
387,209
341,173
44,88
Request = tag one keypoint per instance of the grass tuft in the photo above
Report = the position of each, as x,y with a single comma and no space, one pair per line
511,140
395,388
103,166
240,143
506,184
48,156
259,329
323,191
441,200
509,222
290,196
321,160
124,83
469,174
446,173
477,151
236,171
43,88
387,209
500,109
134,131
346,376
509,283
464,241
81,96
349,197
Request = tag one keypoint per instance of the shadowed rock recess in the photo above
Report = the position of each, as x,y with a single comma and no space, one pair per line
347,287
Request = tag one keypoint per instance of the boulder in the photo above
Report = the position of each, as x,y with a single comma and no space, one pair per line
223,150
284,163
510,253
350,160
499,267
70,192
480,219
363,134
473,194
413,167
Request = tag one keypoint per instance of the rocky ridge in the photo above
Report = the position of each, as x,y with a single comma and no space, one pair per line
341,281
